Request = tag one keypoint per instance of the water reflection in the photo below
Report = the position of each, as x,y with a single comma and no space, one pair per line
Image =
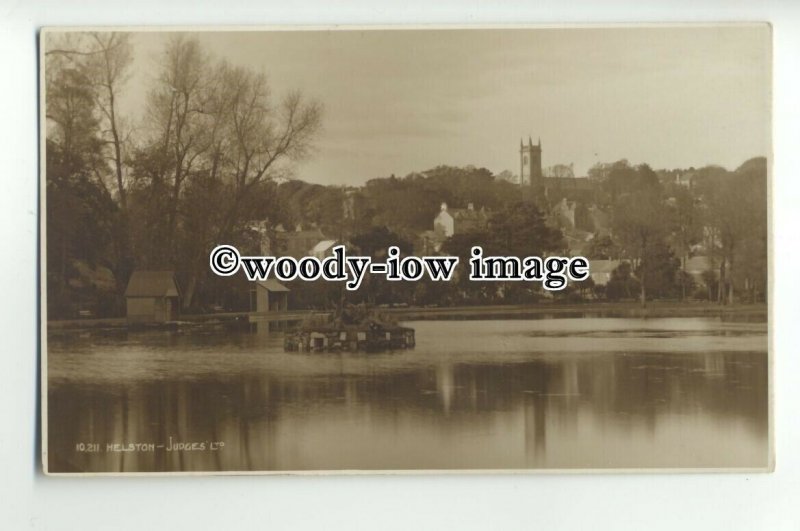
490,394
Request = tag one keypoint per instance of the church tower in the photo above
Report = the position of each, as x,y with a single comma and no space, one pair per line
530,163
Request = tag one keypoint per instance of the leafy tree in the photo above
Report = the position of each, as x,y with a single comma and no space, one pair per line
622,284
375,244
521,230
602,248
686,227
560,171
639,225
460,245
622,178
736,206
421,195
377,240
517,230
659,271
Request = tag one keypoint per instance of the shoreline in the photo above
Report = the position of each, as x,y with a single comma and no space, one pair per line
591,309
605,309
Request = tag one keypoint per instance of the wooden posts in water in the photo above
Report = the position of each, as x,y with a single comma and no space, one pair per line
371,338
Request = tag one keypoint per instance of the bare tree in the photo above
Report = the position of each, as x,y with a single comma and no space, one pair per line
261,139
215,124
108,69
102,61
177,123
251,142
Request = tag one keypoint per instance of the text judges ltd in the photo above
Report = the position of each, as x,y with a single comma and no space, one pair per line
554,272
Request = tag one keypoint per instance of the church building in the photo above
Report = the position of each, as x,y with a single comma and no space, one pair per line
552,189
530,163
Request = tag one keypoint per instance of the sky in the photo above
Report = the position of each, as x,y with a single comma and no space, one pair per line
399,101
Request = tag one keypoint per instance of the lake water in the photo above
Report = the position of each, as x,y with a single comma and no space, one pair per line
535,393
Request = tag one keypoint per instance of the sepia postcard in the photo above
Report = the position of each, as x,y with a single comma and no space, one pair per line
348,250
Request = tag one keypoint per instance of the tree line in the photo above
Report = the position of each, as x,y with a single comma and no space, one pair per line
209,158
658,223
654,224
154,191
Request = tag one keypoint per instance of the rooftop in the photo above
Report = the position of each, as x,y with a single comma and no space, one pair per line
152,284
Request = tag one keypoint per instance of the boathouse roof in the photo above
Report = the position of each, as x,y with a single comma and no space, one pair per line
272,285
152,284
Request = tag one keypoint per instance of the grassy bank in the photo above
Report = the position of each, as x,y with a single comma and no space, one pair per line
589,309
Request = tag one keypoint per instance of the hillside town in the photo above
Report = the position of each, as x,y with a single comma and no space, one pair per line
131,237
691,247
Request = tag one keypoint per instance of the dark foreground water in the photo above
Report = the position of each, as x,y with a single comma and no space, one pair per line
547,393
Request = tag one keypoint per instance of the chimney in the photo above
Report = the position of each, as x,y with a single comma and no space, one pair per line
470,206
